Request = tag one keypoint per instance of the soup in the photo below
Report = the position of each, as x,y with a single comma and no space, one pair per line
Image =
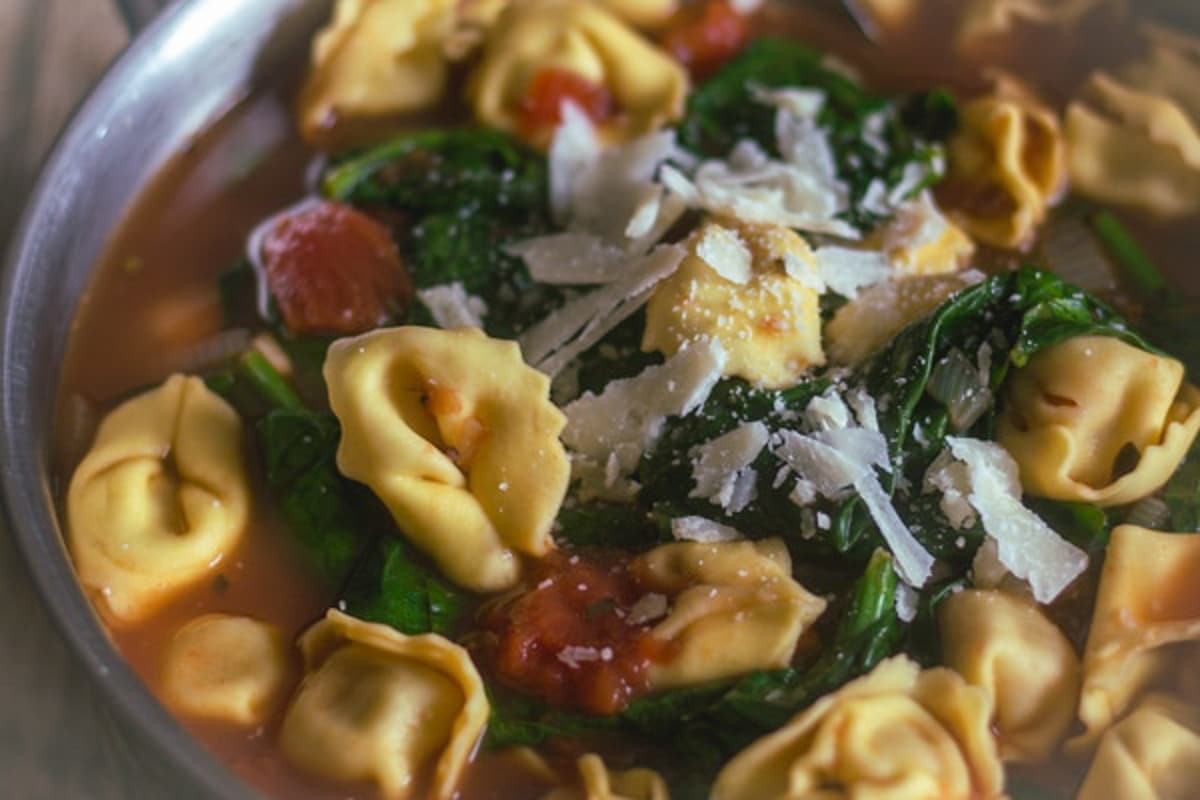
792,413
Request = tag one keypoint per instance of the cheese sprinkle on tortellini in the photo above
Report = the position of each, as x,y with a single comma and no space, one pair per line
459,439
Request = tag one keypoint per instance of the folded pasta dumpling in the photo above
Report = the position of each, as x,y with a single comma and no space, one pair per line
598,782
374,58
584,40
159,499
734,608
993,18
1145,612
895,732
1098,420
1007,165
1134,146
225,667
736,285
459,439
1009,648
1153,754
376,705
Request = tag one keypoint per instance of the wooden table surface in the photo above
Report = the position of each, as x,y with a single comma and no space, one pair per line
56,738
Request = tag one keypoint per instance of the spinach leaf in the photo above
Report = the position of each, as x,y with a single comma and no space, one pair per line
1182,495
321,508
610,525
459,171
873,140
448,247
392,585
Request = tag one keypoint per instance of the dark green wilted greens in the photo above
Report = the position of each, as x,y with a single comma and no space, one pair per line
461,171
873,139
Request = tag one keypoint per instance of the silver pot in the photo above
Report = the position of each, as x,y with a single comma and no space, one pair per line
187,68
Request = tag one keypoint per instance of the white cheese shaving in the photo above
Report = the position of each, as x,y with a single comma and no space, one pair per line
573,149
757,189
1026,545
827,412
722,470
864,408
451,306
700,529
615,427
552,343
804,493
846,270
572,258
724,251
836,459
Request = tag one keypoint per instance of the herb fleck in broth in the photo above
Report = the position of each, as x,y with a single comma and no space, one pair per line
154,300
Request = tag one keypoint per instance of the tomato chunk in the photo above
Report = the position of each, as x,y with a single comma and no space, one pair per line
332,269
541,109
703,38
567,638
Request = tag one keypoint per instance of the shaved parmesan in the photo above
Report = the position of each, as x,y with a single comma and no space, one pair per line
951,478
699,529
552,343
571,257
846,270
608,433
724,251
864,408
451,306
573,149
836,459
906,602
722,467
1026,545
827,412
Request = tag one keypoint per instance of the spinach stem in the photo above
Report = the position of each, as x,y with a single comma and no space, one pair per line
267,381
1137,267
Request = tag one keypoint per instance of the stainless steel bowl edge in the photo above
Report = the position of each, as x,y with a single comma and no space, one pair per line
193,63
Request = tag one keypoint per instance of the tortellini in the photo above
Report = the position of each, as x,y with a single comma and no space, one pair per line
734,286
1008,647
896,732
734,608
648,87
1136,141
598,782
1153,754
989,18
225,667
160,499
1007,165
1146,603
375,58
1097,420
381,706
459,439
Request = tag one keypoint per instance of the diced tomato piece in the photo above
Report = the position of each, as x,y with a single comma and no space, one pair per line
541,110
704,37
332,269
566,639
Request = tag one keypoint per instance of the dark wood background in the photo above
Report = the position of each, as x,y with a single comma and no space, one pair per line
56,739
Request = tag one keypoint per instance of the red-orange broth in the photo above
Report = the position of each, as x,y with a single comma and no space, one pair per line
154,295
